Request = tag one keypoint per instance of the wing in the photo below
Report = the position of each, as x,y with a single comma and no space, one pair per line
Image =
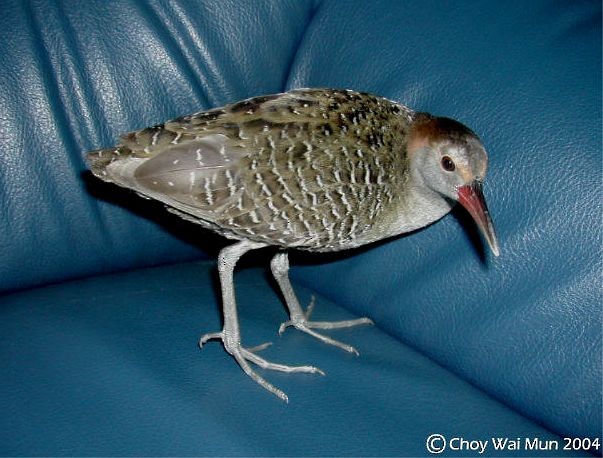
201,174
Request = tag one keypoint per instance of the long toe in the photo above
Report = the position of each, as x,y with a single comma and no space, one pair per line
260,347
326,324
264,364
338,324
309,326
209,336
245,355
238,355
326,339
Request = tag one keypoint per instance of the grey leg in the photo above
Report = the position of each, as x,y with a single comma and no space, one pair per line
230,334
299,319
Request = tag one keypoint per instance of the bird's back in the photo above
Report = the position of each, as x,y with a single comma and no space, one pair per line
313,169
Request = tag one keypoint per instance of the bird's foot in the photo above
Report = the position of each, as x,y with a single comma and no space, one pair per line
243,355
303,324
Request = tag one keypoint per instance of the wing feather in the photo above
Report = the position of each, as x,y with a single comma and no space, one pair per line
200,173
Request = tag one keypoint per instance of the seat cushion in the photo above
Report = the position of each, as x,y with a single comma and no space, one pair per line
110,366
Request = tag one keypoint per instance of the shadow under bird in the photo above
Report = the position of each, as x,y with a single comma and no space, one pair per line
311,169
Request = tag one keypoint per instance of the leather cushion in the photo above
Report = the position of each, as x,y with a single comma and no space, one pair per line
110,366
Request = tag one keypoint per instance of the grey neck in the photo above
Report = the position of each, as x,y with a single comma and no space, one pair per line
420,207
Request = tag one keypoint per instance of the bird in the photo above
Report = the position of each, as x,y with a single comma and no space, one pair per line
312,169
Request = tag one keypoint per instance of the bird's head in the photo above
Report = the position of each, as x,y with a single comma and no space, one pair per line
449,159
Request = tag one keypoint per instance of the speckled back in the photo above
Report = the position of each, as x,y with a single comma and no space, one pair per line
314,169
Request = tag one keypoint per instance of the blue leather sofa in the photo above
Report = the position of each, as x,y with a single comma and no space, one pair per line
104,295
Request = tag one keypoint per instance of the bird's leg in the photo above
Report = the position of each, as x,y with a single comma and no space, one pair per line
300,320
230,334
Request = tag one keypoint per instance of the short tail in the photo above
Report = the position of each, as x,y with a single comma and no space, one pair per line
99,159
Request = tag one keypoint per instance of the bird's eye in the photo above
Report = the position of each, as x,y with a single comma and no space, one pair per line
448,164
